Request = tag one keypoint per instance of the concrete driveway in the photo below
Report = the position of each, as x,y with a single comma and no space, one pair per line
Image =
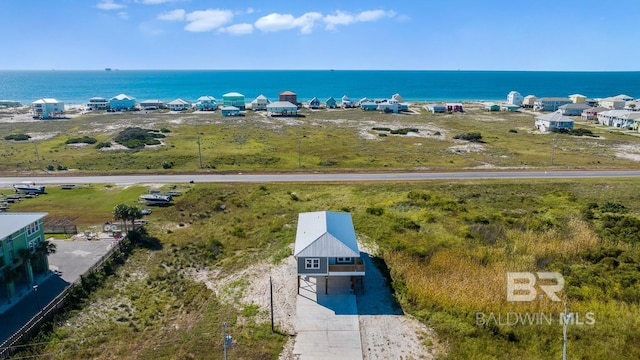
327,325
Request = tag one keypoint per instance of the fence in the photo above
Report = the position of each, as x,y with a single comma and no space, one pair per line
8,347
60,229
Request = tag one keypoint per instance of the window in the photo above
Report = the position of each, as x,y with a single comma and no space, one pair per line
312,264
33,244
343,260
32,228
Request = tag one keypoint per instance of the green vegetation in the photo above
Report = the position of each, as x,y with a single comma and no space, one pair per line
470,136
447,246
82,140
17,137
135,137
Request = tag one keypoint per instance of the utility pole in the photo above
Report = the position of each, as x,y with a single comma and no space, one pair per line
227,340
35,145
271,297
199,152
553,149
567,318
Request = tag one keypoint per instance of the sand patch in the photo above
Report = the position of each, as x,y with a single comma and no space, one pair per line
628,151
467,148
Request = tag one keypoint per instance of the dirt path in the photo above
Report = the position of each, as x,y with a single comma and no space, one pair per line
386,332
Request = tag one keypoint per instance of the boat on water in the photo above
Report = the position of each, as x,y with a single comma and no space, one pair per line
28,187
156,199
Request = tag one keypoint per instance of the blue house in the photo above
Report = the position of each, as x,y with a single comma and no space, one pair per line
314,103
122,102
230,111
206,103
331,103
368,105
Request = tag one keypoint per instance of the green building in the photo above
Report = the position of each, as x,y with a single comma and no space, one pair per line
22,250
234,99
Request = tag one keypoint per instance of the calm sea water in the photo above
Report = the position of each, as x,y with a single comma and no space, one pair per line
76,87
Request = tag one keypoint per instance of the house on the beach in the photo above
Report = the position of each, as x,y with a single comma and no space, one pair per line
454,107
612,103
592,113
578,98
389,106
346,102
206,103
574,109
153,104
632,105
98,103
260,103
331,103
326,247
491,106
397,97
122,102
554,121
230,111
289,96
20,232
179,105
436,108
624,119
529,101
234,99
314,103
624,97
550,103
515,98
368,105
47,108
282,108
509,107
9,103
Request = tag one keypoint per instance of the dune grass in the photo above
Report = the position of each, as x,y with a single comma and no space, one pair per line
448,246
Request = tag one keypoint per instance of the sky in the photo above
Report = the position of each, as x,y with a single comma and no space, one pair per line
566,35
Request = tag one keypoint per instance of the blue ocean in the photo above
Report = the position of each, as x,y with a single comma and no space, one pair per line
76,87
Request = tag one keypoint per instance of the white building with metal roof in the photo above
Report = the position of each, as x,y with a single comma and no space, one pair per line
47,108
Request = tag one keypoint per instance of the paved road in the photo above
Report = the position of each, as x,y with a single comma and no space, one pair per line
7,182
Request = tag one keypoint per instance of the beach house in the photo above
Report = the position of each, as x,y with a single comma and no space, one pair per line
179,105
289,96
9,103
612,103
20,236
282,108
550,103
619,118
454,107
234,99
230,111
97,103
122,102
552,122
491,107
436,108
509,107
389,106
326,247
578,98
368,105
346,102
632,105
529,101
397,98
331,103
153,104
592,113
314,103
260,103
47,108
573,109
206,103
515,98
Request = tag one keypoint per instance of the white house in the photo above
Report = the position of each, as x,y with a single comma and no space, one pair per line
122,102
573,109
282,108
260,103
619,118
514,98
346,102
436,108
98,103
389,106
612,103
623,97
553,122
47,108
153,104
206,103
326,246
397,98
179,105
550,103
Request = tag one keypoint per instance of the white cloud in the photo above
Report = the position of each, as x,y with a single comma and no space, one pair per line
207,20
123,15
238,29
279,22
173,15
344,18
109,5
250,10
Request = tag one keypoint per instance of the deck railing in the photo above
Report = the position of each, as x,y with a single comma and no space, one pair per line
346,268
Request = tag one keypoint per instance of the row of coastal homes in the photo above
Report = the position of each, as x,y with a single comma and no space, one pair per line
625,119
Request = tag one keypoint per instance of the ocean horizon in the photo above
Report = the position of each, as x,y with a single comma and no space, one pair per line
77,86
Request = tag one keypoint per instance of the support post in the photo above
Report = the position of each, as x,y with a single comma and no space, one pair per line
298,284
326,285
271,297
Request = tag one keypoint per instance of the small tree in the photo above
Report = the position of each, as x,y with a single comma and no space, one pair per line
121,212
134,214
26,255
43,250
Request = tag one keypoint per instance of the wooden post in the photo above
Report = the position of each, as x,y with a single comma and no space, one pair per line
298,284
326,285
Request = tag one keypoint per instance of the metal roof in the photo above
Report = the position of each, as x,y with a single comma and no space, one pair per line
325,234
554,116
206,98
179,102
233,94
122,97
287,92
281,104
46,101
12,222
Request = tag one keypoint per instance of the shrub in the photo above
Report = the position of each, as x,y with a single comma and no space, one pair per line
513,131
61,168
377,211
381,129
167,164
103,145
418,195
470,136
581,132
328,163
82,140
50,167
165,130
136,137
17,137
611,207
